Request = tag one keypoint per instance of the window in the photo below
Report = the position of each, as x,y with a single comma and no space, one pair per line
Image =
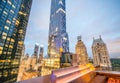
13,6
7,21
9,2
0,74
12,11
1,48
5,73
4,12
6,27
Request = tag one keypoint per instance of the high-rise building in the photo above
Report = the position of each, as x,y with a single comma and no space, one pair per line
81,51
41,54
36,50
100,53
14,15
23,66
58,37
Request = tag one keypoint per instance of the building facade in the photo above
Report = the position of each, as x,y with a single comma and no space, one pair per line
14,15
36,50
100,53
81,51
41,54
58,37
23,66
49,64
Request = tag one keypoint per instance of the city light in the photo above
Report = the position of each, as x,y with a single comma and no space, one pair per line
60,54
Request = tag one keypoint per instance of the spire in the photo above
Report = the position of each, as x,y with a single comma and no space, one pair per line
79,38
100,37
93,38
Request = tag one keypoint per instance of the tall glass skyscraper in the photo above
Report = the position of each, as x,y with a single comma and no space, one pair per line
14,16
58,37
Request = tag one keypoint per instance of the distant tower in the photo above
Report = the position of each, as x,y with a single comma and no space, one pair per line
100,53
57,29
82,56
36,49
41,54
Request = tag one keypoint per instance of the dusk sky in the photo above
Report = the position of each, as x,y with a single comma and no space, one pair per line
88,18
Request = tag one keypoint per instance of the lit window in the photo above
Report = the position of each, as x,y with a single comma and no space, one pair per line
12,11
13,6
9,2
22,13
17,22
22,6
4,34
0,52
0,74
14,19
20,31
5,73
8,21
6,45
12,40
1,48
10,46
8,39
9,53
20,42
4,52
5,12
6,27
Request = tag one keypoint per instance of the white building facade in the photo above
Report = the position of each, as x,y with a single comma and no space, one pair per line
100,53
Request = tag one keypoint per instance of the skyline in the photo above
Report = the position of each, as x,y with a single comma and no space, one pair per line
82,15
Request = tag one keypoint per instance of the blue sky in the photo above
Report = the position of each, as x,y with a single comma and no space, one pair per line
89,18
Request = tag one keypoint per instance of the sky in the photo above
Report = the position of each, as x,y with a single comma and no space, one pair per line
88,18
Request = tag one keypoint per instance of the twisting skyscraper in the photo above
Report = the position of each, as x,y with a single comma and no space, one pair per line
14,16
58,37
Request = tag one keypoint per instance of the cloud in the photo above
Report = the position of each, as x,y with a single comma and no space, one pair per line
114,47
86,18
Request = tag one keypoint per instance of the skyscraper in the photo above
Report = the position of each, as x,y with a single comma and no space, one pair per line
58,37
81,51
41,54
14,15
36,50
100,53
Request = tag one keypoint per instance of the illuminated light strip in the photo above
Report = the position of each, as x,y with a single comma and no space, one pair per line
69,79
60,9
69,71
60,2
107,72
5,61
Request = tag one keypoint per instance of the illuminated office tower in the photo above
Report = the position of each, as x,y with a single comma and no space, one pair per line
81,51
58,37
14,15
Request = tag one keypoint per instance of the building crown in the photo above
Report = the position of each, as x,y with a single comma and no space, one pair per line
79,38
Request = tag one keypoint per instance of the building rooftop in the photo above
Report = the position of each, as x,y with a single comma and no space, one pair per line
77,74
